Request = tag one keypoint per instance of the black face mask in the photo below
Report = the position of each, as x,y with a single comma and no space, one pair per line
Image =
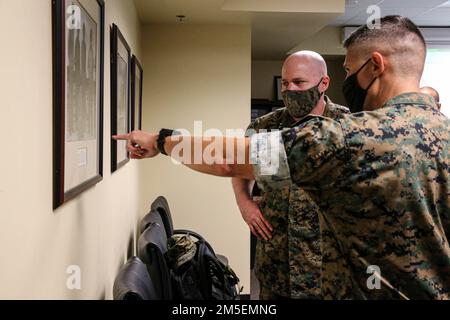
353,93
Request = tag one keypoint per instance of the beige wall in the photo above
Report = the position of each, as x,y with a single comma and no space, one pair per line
337,74
92,231
263,73
198,73
327,41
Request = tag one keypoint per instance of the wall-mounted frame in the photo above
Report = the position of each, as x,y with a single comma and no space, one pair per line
78,79
120,97
278,88
137,75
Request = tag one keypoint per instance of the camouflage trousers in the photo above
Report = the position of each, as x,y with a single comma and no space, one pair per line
267,294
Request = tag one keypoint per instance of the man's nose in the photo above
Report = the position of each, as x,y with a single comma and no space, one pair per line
292,86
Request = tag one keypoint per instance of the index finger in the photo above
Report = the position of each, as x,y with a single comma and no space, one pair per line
121,137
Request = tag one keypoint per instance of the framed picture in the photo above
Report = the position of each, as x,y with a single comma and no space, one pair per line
120,97
278,88
78,68
136,94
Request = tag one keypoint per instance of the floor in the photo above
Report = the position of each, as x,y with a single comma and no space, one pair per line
254,286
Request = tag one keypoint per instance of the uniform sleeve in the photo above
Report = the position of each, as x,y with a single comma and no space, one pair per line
313,150
252,128
301,155
268,157
253,125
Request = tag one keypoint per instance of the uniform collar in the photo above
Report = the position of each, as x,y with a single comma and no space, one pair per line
286,120
411,98
328,104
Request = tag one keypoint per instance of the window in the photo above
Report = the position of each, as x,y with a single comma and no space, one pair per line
435,75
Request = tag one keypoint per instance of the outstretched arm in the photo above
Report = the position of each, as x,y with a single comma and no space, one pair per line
229,157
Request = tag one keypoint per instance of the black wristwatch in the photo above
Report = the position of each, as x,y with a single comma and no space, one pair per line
163,134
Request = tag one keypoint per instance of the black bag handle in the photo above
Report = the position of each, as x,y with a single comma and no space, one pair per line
188,233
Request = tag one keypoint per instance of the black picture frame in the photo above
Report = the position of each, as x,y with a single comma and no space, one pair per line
278,88
118,44
77,96
136,99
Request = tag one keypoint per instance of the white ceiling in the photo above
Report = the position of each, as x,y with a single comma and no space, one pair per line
422,12
196,12
280,25
277,25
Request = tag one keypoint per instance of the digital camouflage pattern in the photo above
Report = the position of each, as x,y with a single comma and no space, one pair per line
180,249
382,182
289,264
299,104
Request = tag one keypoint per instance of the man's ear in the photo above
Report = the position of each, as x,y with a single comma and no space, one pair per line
378,63
325,84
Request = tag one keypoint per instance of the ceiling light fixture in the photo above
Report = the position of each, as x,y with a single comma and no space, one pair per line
351,3
181,18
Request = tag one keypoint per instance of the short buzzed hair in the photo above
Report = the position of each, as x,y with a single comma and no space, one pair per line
396,36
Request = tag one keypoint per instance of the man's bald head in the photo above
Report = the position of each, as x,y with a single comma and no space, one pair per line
398,39
306,63
432,92
302,71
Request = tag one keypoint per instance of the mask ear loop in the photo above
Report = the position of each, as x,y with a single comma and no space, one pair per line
320,82
356,73
371,83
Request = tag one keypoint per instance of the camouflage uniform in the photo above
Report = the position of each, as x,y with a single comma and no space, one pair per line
289,264
381,181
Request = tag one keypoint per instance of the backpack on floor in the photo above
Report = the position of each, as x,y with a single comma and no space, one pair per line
196,272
